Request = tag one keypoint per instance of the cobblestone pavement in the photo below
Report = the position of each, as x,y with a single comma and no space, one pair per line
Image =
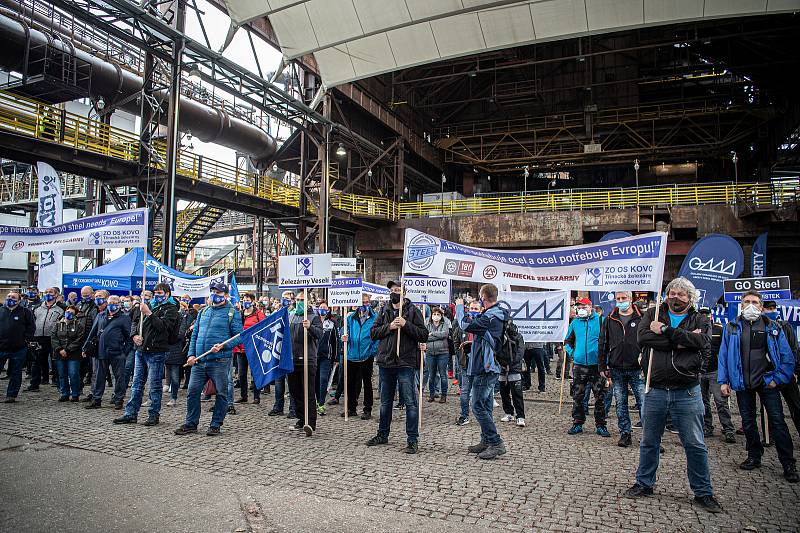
548,481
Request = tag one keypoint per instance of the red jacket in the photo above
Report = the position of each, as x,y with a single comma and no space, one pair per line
249,320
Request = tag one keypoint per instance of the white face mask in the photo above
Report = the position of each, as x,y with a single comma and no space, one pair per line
583,313
436,318
751,313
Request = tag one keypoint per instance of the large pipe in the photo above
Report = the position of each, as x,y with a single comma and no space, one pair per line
114,84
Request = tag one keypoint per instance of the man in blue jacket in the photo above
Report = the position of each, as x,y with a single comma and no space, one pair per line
582,342
755,358
361,350
487,328
216,324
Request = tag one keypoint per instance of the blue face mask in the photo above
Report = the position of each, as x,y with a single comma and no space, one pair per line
247,305
73,301
187,301
99,301
113,308
474,314
217,298
146,301
69,315
623,306
159,299
31,295
364,308
772,315
285,302
49,297
11,302
323,312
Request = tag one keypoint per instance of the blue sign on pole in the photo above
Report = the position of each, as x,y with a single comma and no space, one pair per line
758,257
712,260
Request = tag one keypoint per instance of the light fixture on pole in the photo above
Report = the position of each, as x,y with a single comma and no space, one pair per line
340,151
369,173
735,160
636,168
526,173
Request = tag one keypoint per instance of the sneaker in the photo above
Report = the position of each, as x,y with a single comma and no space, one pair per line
602,431
126,419
333,401
298,426
31,388
349,414
638,425
275,413
431,399
9,399
213,431
146,403
449,374
443,399
790,474
730,438
118,406
321,409
87,399
575,429
165,388
624,440
63,399
462,421
540,390
672,429
750,464
203,398
493,452
151,421
185,430
92,405
477,448
638,491
455,382
708,503
171,403
495,403
411,448
376,440
231,410
507,418
400,406
521,422
366,415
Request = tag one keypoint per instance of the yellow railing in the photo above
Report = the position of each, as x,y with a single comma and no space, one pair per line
365,206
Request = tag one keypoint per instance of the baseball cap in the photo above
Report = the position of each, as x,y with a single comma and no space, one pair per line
391,284
219,286
583,301
705,310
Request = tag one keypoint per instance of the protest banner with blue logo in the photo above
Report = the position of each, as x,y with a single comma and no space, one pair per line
758,257
630,263
539,316
49,213
304,271
789,310
345,292
606,299
198,288
712,260
378,293
268,346
421,290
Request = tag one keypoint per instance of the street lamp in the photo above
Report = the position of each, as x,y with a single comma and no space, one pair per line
340,151
735,160
526,174
636,168
444,180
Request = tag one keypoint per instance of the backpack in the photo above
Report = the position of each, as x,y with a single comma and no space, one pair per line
511,341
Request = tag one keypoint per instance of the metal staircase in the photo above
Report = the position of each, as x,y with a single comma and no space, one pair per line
192,224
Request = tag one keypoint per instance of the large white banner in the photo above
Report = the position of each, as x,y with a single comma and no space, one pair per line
49,213
195,288
345,292
343,264
427,290
123,229
539,316
300,271
631,263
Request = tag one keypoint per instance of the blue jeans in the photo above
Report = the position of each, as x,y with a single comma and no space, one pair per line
405,378
466,393
438,370
69,377
280,392
218,371
686,409
130,362
174,379
483,386
149,367
323,375
778,430
16,362
622,379
230,383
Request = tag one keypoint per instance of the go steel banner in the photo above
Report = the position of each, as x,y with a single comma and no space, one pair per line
631,263
122,229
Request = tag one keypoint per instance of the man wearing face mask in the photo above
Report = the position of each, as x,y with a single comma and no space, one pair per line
327,352
46,315
313,328
755,358
790,391
679,347
252,315
154,327
287,300
711,389
72,299
361,351
463,353
32,299
17,327
582,343
112,329
90,306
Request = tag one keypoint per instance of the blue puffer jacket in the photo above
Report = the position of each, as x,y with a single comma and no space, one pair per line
213,326
583,338
360,345
487,328
729,369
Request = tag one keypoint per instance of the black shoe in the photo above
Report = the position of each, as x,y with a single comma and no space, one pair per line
790,474
624,440
298,426
740,431
708,503
638,491
366,415
730,438
87,399
151,421
125,420
672,429
213,431
118,406
256,401
31,388
411,448
231,410
9,399
75,399
241,400
349,413
63,399
638,425
377,439
291,415
275,413
92,405
750,464
185,430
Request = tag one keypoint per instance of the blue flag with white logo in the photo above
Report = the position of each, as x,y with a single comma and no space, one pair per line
268,346
712,259
758,258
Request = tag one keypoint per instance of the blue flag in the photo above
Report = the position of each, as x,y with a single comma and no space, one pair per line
758,259
711,260
268,346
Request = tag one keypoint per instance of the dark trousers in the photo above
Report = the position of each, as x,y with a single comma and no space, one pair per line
340,380
103,368
295,383
534,357
40,368
243,365
778,430
511,396
791,394
359,374
583,377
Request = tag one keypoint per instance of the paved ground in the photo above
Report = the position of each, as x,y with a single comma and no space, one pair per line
66,468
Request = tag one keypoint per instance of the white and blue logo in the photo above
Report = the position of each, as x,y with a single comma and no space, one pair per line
421,252
305,266
594,277
95,238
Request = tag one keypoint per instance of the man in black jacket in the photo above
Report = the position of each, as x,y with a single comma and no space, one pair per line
151,339
790,391
676,355
111,329
300,327
16,331
710,388
405,320
618,359
87,312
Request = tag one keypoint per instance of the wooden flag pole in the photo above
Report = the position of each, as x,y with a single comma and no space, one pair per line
421,370
144,287
563,377
344,369
400,312
650,355
306,427
764,424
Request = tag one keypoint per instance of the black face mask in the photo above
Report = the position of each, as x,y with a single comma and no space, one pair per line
395,298
677,306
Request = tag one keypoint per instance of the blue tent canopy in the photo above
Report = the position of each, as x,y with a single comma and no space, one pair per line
123,275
